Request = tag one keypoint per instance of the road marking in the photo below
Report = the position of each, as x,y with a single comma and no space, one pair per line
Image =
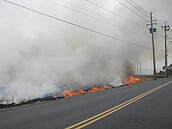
108,112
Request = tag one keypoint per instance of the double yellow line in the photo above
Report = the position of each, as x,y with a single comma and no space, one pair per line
99,116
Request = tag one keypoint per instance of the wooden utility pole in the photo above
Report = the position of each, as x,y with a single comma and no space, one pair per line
152,30
166,28
137,65
140,68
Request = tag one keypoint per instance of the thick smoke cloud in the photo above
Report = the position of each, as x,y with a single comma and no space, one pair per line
40,55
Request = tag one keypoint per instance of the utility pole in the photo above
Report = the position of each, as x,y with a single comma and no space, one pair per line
166,28
140,68
152,30
137,66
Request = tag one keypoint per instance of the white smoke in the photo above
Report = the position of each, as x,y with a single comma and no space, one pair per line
47,66
40,55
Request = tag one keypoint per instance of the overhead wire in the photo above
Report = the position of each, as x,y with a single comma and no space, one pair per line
132,10
122,27
144,10
170,34
156,34
139,7
88,15
155,19
161,36
159,20
92,13
133,22
91,16
74,24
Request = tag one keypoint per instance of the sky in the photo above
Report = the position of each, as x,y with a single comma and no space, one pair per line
78,43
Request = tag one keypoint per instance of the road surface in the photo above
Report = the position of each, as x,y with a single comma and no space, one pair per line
146,105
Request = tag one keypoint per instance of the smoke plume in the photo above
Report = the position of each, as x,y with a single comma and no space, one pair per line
40,55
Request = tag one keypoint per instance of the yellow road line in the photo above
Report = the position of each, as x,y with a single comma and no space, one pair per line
99,116
107,114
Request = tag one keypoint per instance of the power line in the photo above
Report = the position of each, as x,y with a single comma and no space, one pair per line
123,27
132,10
137,7
73,24
90,16
143,10
146,12
170,34
94,14
114,13
161,36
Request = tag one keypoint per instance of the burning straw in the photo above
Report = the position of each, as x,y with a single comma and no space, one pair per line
69,93
132,80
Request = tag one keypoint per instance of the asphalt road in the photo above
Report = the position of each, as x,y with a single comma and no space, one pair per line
148,110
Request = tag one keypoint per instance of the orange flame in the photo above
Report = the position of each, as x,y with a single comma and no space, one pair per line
68,93
132,80
94,89
79,92
104,87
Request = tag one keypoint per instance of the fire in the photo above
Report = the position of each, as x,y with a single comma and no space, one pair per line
132,80
69,93
94,89
79,92
104,87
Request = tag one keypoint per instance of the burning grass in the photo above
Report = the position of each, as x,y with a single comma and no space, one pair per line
131,80
69,93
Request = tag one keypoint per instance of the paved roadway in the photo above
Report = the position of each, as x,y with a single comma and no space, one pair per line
152,110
